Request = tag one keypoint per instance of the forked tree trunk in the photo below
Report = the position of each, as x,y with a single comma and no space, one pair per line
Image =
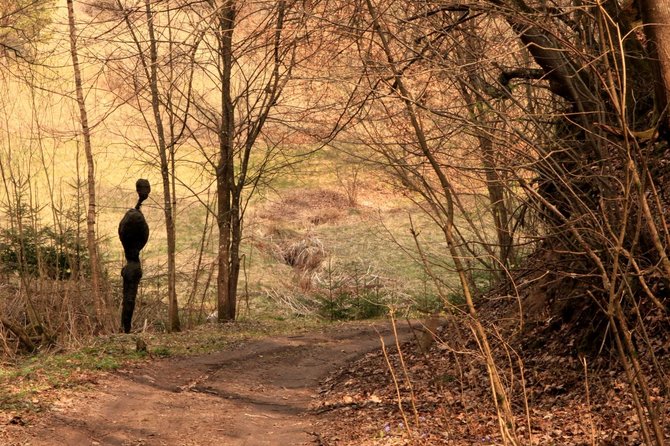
100,301
232,179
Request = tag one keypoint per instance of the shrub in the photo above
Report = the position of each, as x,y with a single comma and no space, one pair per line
58,256
350,291
428,303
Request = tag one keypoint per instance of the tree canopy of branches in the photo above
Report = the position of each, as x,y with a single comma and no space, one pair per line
249,55
553,110
550,119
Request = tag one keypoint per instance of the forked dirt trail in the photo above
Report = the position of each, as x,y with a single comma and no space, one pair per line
257,393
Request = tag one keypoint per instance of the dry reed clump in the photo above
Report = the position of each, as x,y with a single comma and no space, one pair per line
291,301
306,254
303,252
308,206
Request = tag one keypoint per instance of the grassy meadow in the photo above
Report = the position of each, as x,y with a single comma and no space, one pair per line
321,229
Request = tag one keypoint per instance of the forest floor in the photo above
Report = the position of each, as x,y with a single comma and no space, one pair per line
334,385
258,392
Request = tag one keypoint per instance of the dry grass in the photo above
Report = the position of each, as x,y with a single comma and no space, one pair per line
307,207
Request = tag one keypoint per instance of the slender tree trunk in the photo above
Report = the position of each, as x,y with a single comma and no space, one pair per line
225,170
101,304
235,241
173,308
173,313
494,185
497,199
223,281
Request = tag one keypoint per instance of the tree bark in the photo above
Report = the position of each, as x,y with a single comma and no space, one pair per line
232,179
227,288
656,16
473,82
100,301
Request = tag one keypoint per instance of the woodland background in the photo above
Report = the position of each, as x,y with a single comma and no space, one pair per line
501,165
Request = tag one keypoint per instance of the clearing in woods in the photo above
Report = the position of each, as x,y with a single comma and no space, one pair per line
257,393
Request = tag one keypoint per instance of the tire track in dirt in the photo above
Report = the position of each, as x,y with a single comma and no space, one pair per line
258,393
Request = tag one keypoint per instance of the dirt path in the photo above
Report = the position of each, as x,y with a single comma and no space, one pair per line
255,394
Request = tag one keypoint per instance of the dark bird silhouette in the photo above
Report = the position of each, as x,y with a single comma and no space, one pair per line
134,233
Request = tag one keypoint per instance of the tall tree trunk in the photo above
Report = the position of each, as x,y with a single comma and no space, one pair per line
656,16
498,207
231,179
100,300
225,172
473,82
173,308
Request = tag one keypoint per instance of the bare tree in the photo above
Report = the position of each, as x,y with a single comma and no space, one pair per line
251,55
102,305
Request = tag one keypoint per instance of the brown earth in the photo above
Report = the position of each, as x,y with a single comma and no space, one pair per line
336,387
258,393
